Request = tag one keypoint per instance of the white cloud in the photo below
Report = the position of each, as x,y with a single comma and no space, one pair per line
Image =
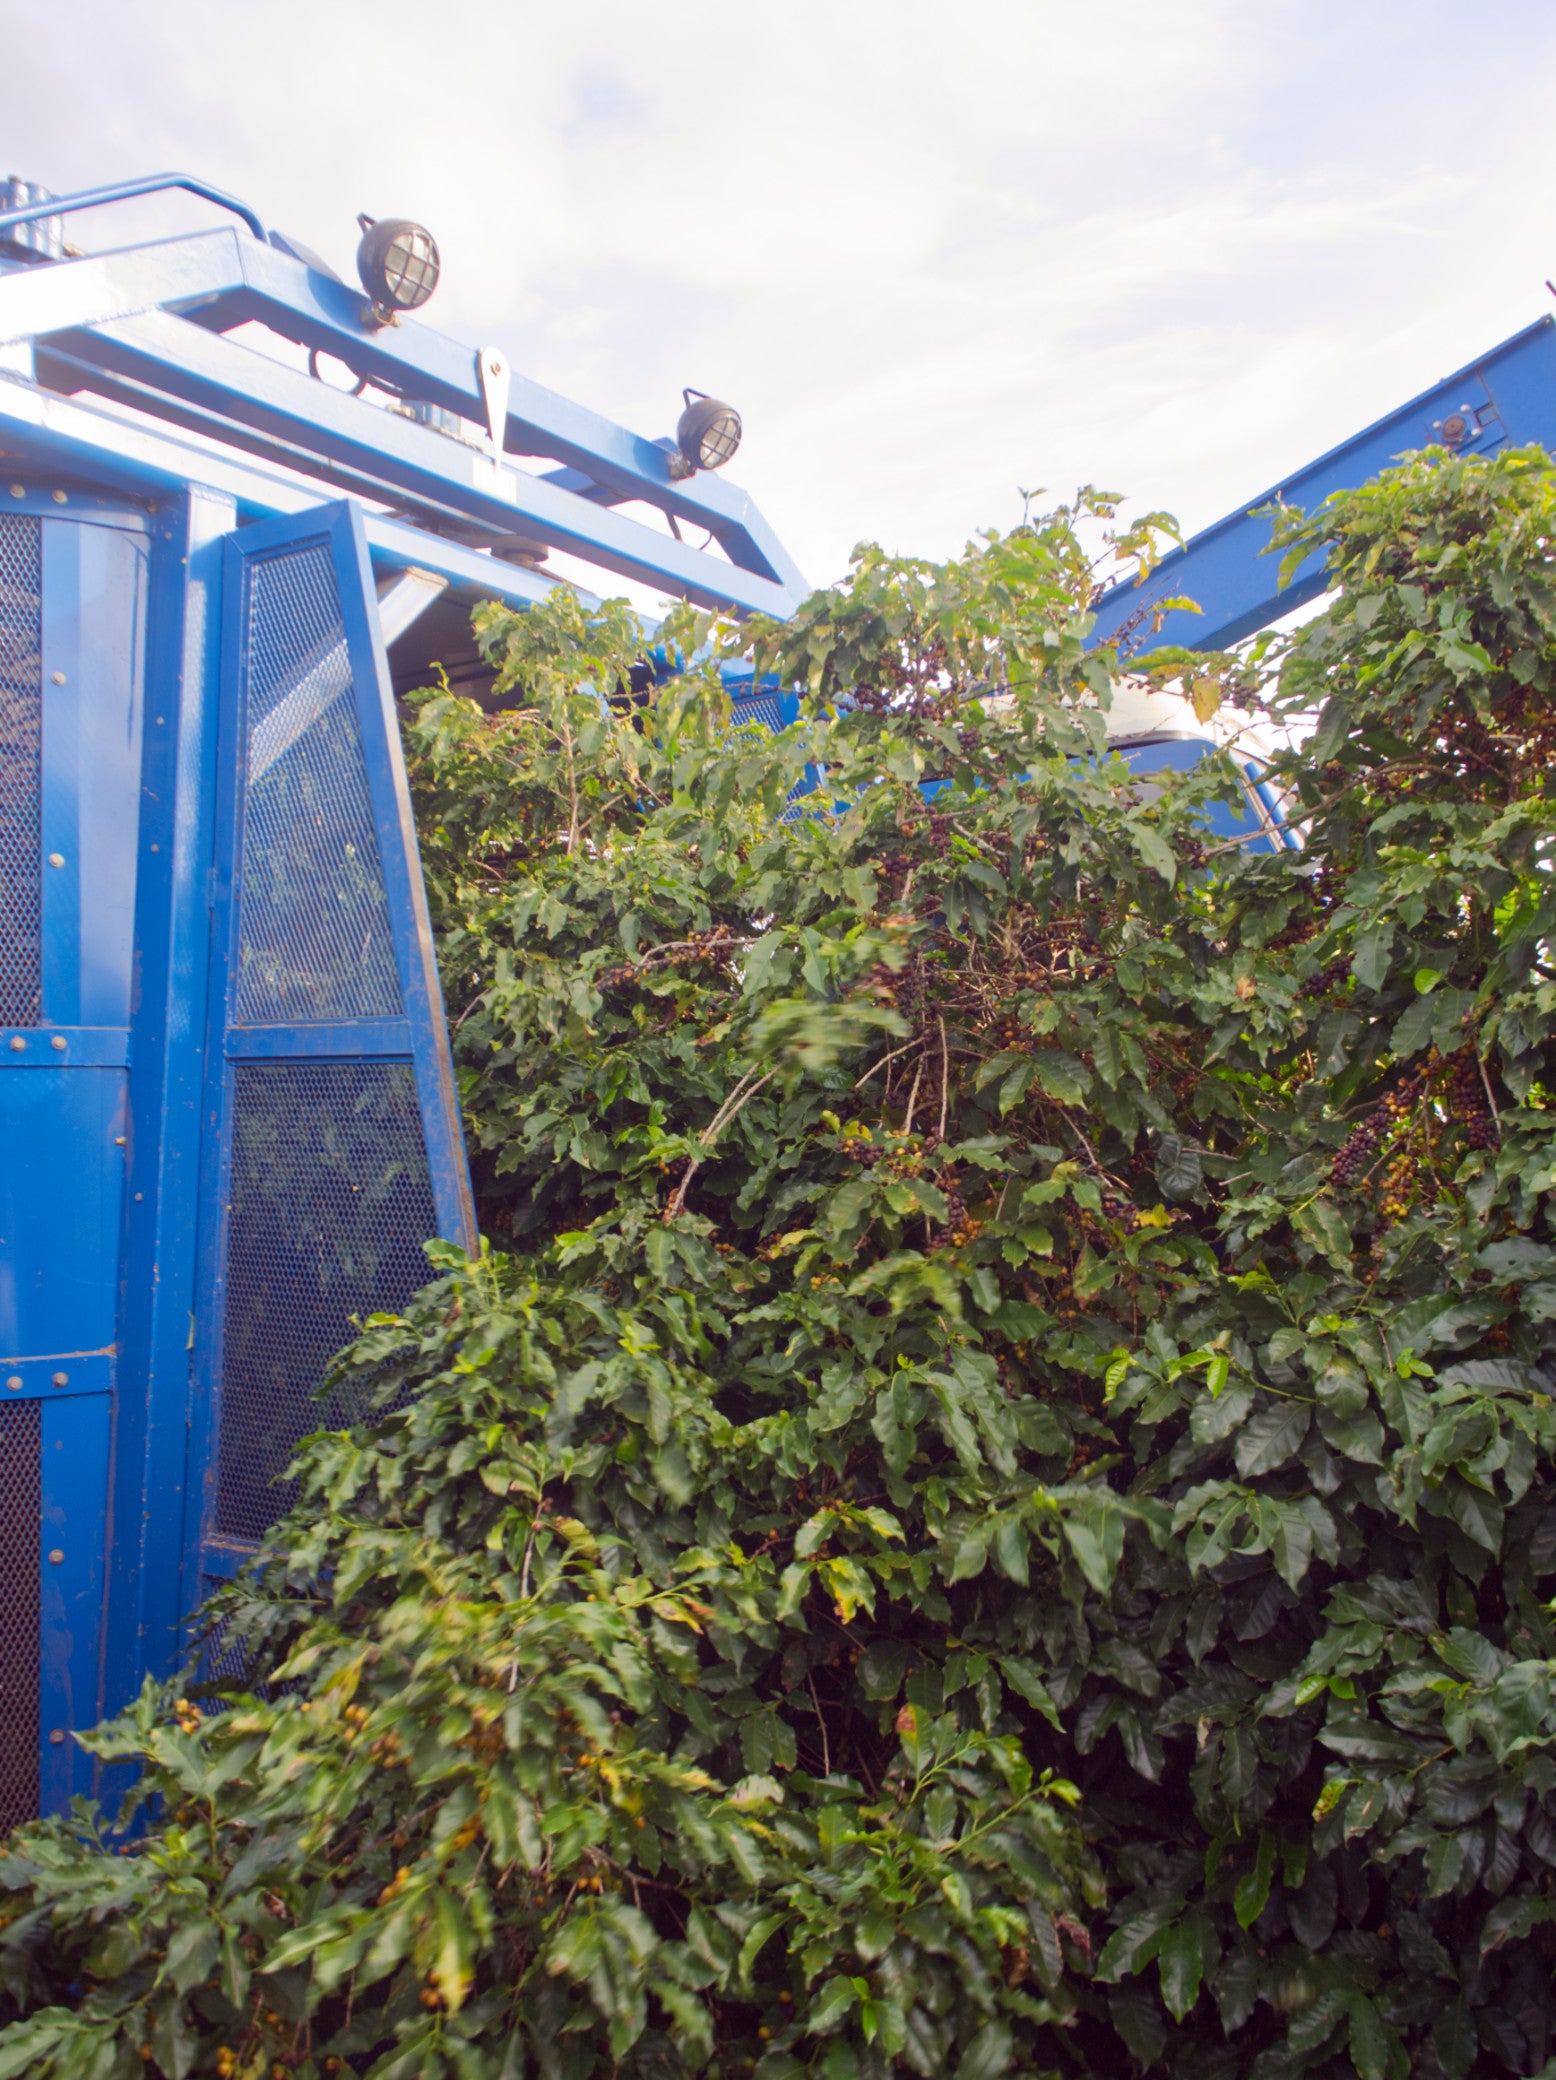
933,254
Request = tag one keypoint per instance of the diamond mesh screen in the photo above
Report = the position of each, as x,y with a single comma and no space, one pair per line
21,792
21,1513
313,920
330,1203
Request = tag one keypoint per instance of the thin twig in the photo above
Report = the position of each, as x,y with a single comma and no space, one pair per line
735,1103
945,1076
916,1041
826,1751
1490,1100
1398,765
907,1125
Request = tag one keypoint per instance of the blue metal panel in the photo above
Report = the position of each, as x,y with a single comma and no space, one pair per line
248,757
76,1435
93,623
386,1039
1509,395
148,1595
56,1047
60,1189
1182,755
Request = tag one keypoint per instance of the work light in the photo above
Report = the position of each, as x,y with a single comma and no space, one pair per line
398,263
708,432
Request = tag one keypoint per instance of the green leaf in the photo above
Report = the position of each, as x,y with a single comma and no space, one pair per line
1180,1961
1454,2039
1370,2039
1324,1226
1253,1887
1271,1436
1023,1677
1133,1944
1179,1168
1156,852
989,2054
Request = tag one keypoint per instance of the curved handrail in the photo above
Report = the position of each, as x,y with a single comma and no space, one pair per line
124,191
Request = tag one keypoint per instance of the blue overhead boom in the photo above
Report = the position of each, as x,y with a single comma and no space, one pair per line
1507,397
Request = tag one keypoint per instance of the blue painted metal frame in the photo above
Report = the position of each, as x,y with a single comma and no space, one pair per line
151,317
149,1592
420,1037
1507,395
125,191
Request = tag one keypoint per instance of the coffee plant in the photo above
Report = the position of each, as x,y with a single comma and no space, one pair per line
987,1507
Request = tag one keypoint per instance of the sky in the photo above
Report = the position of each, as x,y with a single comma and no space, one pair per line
938,255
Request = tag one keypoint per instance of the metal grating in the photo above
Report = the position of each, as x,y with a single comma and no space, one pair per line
21,1515
330,1203
21,775
313,919
764,711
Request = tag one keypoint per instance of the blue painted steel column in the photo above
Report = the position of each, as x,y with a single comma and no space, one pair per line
148,1595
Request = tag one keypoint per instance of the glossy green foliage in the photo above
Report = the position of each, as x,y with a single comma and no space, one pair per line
989,1507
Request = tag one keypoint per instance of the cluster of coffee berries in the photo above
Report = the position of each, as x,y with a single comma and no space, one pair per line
1468,1102
1122,1212
1367,1137
1326,981
717,946
960,1227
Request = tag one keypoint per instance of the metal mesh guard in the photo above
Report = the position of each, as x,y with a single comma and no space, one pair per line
313,920
21,1515
330,1205
21,754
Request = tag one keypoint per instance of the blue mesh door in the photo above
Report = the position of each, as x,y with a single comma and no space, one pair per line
335,1148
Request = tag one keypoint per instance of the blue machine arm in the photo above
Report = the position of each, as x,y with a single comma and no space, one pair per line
1507,396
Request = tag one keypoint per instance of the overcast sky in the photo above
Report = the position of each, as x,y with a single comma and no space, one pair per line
934,253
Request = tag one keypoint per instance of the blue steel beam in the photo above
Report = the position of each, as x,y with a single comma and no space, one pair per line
44,431
404,458
1507,396
219,280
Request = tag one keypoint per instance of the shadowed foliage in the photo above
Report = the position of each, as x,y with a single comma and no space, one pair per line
989,1505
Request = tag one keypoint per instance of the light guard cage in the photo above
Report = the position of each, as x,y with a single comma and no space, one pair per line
228,1119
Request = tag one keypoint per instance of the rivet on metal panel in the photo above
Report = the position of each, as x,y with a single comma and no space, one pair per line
18,491
58,1043
17,1043
119,1140
62,1379
138,1197
56,859
56,1557
56,1738
59,678
59,498
14,1383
